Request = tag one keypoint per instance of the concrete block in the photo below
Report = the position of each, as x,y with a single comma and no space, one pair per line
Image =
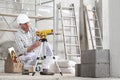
77,70
102,56
95,70
95,56
102,70
88,56
95,63
87,70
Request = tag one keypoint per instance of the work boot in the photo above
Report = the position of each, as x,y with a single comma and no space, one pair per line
25,72
45,72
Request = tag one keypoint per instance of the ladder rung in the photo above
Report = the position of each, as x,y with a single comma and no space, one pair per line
94,39
70,26
66,17
93,19
92,10
71,36
65,29
59,40
98,46
97,37
96,28
67,8
93,28
73,54
72,45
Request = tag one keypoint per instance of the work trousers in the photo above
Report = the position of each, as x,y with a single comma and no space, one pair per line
30,58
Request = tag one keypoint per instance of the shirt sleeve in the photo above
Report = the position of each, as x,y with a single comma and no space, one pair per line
36,38
20,45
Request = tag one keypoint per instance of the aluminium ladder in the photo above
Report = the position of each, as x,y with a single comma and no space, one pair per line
94,31
70,32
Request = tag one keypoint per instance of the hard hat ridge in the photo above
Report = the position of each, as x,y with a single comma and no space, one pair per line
22,18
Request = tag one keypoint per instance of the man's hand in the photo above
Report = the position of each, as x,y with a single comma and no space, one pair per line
35,45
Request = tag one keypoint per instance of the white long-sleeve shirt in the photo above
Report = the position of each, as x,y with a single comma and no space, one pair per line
25,39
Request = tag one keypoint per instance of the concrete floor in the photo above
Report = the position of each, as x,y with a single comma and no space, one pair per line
18,76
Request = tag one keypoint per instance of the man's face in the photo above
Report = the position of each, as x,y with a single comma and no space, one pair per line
25,27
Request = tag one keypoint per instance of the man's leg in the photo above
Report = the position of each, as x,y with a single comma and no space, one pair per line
23,60
28,61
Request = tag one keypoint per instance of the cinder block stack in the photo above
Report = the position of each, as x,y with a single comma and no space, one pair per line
95,63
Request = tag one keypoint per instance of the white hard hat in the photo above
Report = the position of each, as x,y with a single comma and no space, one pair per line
22,18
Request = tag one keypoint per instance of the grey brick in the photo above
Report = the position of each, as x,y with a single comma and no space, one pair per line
95,56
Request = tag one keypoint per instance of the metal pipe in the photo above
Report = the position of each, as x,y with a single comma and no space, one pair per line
35,13
32,17
9,30
45,2
54,24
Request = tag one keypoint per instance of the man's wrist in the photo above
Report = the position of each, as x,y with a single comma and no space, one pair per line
29,49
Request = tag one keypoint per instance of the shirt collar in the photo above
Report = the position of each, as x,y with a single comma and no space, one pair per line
22,31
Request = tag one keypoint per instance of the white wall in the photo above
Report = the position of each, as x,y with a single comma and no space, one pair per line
114,27
105,18
111,33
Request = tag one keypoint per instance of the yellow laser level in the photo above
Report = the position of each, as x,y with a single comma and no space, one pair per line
44,33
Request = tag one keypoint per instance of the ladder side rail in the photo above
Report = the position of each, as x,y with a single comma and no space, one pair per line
77,32
64,41
74,19
98,22
98,25
71,29
89,28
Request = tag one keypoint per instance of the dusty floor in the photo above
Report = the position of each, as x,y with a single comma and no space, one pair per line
18,76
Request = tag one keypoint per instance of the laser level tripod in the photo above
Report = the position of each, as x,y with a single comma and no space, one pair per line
43,45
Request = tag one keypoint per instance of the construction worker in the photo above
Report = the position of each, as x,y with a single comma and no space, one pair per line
28,46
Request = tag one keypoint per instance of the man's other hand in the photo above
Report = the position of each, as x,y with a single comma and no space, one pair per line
35,45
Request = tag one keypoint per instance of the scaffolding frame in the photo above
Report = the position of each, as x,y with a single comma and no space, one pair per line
37,18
